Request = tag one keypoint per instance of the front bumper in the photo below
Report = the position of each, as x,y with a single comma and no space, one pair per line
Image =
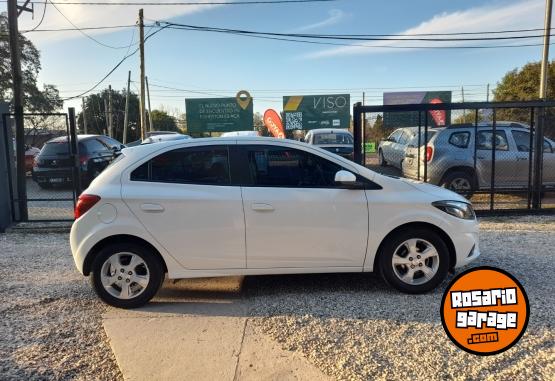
467,248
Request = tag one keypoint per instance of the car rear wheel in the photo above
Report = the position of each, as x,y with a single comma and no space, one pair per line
414,261
126,275
460,182
381,159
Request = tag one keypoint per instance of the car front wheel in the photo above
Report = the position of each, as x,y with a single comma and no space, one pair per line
414,260
126,275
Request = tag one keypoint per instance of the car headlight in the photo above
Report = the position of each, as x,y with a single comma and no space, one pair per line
456,208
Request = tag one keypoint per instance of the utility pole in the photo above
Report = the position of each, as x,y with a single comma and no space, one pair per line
540,123
142,58
150,127
487,93
126,117
110,113
107,118
84,116
464,111
15,54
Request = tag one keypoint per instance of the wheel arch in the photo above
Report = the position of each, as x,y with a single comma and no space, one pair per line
444,236
461,168
119,238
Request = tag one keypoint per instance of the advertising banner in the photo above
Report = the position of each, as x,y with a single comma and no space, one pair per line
273,123
220,114
436,118
306,112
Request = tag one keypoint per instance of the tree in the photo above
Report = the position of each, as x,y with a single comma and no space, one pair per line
523,85
96,115
34,99
162,121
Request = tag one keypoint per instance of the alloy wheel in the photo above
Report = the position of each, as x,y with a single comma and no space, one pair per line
415,261
124,275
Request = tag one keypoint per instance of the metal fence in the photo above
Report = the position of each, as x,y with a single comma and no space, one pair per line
49,198
500,155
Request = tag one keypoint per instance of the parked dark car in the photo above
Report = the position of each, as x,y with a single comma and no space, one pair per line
53,164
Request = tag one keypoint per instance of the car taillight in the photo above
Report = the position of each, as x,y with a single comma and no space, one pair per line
84,203
429,153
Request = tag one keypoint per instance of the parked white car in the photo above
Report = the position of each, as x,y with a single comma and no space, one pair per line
249,206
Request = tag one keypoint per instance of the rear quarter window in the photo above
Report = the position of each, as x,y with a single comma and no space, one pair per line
459,139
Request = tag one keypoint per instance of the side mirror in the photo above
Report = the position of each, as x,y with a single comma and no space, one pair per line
346,178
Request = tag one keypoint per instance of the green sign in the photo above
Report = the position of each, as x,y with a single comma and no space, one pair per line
306,112
369,147
219,114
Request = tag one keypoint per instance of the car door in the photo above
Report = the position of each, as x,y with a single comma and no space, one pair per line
389,146
185,199
399,148
522,157
548,162
504,159
295,214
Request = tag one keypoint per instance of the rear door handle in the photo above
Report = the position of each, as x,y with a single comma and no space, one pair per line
262,207
152,208
521,158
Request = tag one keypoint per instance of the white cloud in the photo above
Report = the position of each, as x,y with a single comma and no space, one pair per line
521,15
335,16
91,15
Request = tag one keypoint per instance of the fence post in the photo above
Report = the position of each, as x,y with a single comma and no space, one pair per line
538,158
357,134
74,152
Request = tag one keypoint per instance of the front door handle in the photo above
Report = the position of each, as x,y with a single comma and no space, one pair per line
262,207
152,208
521,158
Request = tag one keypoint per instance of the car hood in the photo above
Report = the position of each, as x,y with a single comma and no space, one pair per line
438,192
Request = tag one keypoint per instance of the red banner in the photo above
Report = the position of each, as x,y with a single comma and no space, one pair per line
438,115
273,123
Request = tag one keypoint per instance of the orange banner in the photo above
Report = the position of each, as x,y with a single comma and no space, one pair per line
273,123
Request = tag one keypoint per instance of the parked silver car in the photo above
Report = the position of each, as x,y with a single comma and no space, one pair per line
391,151
450,160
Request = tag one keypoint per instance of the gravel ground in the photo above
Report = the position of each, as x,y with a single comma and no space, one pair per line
50,320
353,327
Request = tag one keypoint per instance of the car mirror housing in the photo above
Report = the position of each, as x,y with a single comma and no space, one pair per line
345,178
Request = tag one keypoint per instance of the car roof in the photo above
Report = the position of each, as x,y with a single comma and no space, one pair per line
330,131
62,139
490,124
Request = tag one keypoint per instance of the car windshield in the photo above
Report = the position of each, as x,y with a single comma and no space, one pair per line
333,138
55,148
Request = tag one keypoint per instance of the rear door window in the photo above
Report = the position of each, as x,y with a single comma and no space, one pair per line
485,140
198,165
94,145
55,148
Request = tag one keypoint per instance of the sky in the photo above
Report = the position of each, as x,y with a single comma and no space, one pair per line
222,64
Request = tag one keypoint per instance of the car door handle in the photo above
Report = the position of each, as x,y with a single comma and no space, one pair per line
480,157
152,208
521,158
262,207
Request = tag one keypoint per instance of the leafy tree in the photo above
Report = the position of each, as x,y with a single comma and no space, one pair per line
35,100
522,85
96,115
162,121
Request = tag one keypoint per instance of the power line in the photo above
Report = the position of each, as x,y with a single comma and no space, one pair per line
114,68
262,36
85,34
42,17
398,37
80,28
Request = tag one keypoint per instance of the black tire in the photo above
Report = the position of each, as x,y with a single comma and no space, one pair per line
454,180
381,159
388,271
154,267
45,185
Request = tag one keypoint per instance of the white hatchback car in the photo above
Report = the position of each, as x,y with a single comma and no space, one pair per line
248,206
